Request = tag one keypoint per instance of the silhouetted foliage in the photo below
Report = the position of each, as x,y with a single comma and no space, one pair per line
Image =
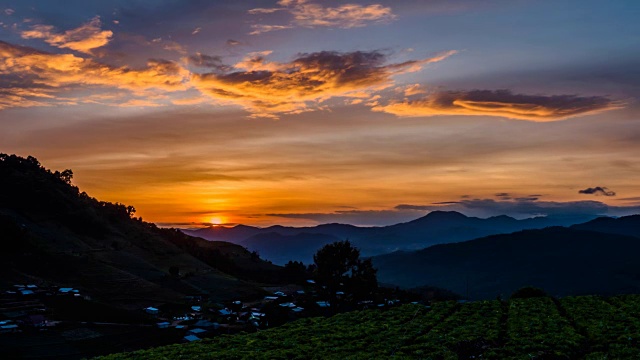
528,292
295,271
174,271
432,293
339,268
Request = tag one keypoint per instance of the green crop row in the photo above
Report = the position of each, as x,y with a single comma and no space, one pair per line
603,323
469,332
535,329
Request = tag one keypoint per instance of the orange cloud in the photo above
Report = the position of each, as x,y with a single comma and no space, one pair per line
414,89
31,73
85,38
260,28
272,88
501,103
310,15
344,16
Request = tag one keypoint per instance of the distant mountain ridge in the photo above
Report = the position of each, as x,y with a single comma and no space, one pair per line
437,227
563,261
626,225
282,248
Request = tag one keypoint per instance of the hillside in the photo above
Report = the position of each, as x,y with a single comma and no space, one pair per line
563,261
437,227
54,234
538,328
626,225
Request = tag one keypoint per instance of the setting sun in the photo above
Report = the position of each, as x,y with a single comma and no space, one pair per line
218,220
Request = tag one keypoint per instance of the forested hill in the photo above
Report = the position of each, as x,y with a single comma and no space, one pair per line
563,261
51,232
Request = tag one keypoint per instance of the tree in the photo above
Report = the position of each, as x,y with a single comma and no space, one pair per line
528,292
295,271
174,271
338,266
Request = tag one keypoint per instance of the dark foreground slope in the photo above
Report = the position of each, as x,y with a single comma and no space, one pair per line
538,328
562,261
51,233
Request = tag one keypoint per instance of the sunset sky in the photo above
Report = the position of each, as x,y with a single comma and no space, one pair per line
301,112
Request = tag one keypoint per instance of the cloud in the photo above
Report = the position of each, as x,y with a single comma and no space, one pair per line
354,217
598,190
84,39
189,101
232,42
196,30
635,198
518,208
501,103
139,103
525,207
207,61
271,88
26,73
259,28
9,11
414,89
312,15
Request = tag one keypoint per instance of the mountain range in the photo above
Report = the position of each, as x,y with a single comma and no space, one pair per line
52,233
437,227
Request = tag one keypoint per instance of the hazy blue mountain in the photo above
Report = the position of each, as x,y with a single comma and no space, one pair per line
562,261
437,227
626,225
282,248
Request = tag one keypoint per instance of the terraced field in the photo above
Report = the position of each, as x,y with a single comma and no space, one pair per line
587,327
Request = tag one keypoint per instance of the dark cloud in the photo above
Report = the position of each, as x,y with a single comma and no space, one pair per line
637,198
526,207
502,103
207,61
529,198
191,224
355,217
271,88
518,208
420,207
503,196
598,190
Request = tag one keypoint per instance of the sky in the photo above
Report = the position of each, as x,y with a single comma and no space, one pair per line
300,112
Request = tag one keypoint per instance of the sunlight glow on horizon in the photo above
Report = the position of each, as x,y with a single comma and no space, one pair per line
374,113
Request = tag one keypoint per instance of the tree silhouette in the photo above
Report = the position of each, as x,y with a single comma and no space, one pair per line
339,267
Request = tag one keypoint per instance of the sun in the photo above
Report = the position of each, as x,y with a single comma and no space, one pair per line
217,220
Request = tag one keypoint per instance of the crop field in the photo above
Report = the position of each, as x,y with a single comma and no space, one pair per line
586,327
